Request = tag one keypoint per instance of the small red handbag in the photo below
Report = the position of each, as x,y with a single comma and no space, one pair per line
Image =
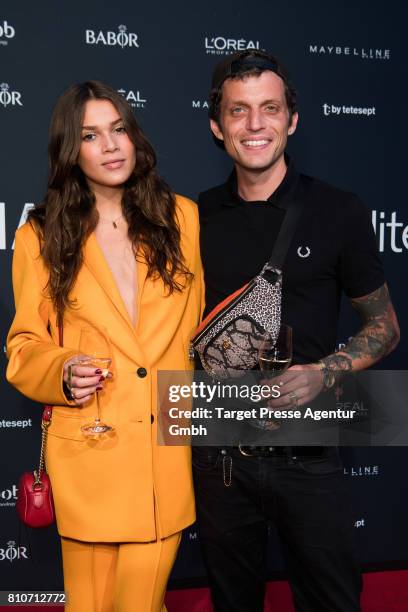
35,504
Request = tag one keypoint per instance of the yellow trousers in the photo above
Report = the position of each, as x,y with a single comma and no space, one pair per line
123,577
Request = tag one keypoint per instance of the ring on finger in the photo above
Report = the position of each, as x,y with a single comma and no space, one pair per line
70,376
294,398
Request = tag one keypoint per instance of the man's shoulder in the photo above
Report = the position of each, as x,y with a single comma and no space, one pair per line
325,196
211,199
317,187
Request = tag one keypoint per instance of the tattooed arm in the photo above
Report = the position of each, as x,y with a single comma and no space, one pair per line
379,335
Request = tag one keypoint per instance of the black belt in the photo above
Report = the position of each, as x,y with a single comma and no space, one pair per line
282,451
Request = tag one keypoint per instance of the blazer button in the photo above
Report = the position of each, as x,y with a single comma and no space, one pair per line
141,372
152,419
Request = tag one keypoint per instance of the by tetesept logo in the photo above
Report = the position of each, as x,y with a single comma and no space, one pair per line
9,97
6,33
351,111
19,423
220,45
122,38
354,52
134,98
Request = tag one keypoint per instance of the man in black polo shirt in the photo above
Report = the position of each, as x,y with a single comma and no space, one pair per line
252,111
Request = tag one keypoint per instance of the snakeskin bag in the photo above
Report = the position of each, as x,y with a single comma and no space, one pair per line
228,340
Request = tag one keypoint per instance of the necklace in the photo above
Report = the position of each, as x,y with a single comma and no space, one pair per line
113,221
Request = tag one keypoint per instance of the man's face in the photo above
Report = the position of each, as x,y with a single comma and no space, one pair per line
254,121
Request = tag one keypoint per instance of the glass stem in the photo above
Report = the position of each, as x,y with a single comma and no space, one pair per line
98,418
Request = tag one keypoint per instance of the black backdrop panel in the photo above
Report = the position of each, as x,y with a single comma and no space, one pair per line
341,56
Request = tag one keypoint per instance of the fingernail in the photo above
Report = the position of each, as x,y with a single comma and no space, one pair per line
102,378
99,388
98,371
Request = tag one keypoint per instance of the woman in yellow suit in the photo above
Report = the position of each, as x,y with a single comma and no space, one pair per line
109,248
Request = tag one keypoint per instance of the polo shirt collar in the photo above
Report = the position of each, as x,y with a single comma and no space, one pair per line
280,198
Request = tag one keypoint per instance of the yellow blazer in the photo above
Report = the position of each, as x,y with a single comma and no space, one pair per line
125,487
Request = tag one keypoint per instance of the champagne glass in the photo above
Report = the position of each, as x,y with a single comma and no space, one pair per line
274,357
95,344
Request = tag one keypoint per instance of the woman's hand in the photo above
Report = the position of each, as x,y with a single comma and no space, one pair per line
82,381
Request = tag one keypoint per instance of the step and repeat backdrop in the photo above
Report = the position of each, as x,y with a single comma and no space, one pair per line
348,63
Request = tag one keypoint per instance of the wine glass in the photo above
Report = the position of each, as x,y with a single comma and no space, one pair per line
95,344
274,357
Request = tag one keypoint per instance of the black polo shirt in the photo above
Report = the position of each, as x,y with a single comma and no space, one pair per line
333,250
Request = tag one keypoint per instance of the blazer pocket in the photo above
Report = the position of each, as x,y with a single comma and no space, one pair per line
67,426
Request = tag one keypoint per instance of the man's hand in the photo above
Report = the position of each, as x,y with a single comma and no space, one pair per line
299,385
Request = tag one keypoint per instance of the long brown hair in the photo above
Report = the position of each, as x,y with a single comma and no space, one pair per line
67,215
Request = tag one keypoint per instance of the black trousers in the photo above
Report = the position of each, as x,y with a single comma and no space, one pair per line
308,501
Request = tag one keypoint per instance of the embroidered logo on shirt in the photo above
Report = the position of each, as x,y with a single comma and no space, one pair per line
303,251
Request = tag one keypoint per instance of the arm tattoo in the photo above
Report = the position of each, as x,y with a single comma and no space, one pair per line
378,337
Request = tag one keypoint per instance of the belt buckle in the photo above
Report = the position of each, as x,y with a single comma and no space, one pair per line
246,451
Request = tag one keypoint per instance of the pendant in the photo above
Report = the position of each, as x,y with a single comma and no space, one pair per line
114,225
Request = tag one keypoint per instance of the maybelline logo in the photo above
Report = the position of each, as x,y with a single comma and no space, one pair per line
375,54
133,97
362,470
9,97
12,552
218,45
122,39
332,109
8,497
6,32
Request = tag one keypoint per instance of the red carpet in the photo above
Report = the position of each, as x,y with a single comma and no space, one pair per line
383,592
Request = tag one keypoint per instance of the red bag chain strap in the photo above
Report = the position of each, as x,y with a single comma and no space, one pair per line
46,422
35,505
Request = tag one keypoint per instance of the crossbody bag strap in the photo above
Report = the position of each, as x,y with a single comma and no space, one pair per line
286,233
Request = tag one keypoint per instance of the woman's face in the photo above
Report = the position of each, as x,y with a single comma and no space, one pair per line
107,156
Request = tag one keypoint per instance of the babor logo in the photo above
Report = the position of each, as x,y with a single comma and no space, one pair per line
6,32
218,45
12,552
8,497
133,97
122,39
8,97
